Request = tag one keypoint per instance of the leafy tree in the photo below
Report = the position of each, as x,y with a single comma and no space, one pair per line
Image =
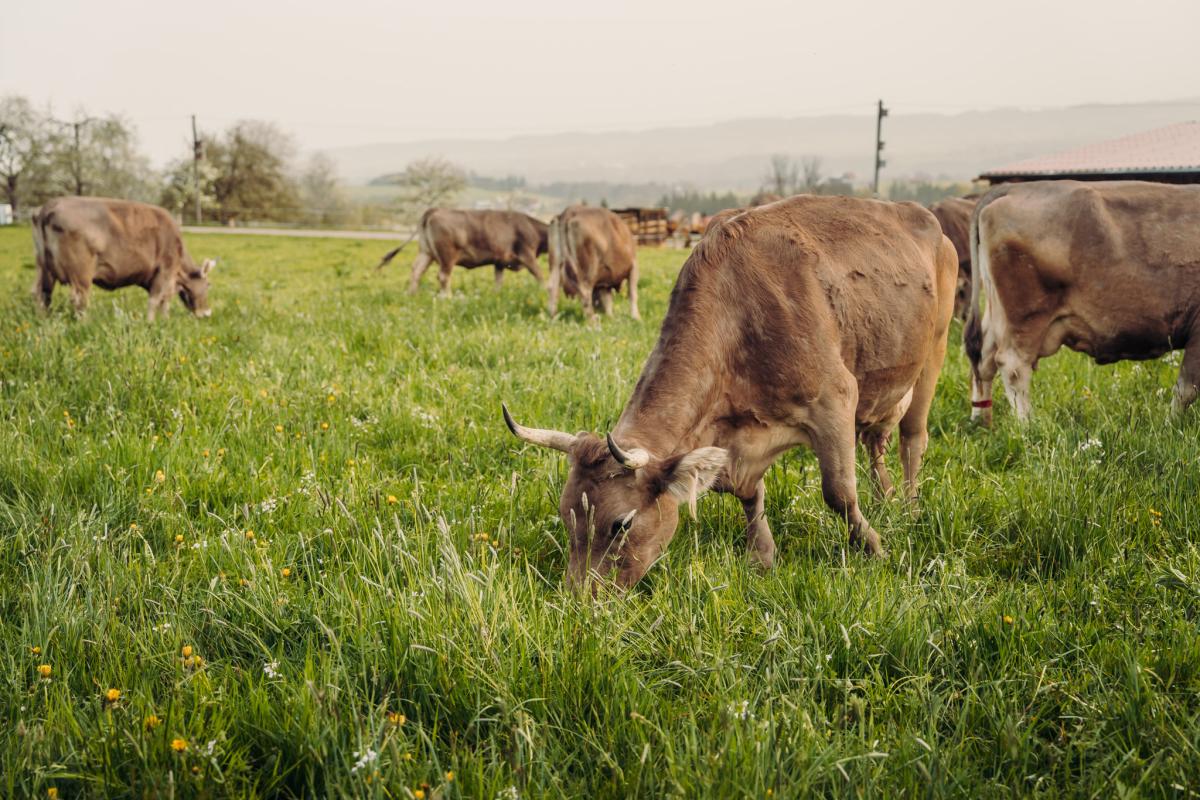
783,175
24,156
429,182
323,202
104,160
251,165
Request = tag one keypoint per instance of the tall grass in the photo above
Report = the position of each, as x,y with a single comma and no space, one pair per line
396,623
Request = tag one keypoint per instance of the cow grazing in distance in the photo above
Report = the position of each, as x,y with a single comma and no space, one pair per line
1108,268
954,214
813,320
592,252
81,241
469,238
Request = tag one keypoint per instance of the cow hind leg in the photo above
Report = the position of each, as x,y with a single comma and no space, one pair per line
446,262
419,266
606,301
499,276
760,545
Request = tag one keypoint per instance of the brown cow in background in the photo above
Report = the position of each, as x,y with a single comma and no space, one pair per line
475,238
812,320
86,241
592,252
1107,268
954,214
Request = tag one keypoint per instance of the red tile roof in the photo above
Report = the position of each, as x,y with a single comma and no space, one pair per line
1175,148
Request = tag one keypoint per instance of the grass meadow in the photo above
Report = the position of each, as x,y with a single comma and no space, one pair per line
292,551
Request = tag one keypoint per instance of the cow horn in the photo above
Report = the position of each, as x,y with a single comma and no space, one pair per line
555,439
634,459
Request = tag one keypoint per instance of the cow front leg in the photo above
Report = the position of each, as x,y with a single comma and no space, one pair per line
633,286
760,544
529,261
1187,387
831,432
79,297
419,266
43,289
499,277
1016,373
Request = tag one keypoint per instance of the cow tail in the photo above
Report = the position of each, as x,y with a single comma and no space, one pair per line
973,330
393,253
41,250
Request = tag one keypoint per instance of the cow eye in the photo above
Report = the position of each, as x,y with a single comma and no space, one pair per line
620,526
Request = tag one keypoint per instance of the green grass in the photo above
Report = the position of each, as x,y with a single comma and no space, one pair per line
1035,630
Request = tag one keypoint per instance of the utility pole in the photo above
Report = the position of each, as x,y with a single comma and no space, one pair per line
197,156
879,162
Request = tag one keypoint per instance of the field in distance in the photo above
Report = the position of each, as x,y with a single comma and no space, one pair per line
292,551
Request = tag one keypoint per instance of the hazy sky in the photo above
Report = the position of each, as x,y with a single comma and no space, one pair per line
349,71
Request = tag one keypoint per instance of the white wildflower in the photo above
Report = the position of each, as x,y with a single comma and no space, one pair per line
364,759
271,669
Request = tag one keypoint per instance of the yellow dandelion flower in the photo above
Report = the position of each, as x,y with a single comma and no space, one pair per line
331,399
199,661
286,572
449,776
324,426
1008,620
154,438
189,661
391,498
179,745
151,722
112,695
35,650
408,756
179,538
159,476
419,794
243,582
249,534
396,718
205,453
279,429
52,793
133,526
262,392
186,650
45,670
220,451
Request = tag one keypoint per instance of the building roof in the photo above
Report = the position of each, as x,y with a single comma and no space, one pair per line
1175,148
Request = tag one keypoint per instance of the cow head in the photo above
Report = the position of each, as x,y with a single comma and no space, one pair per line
621,508
193,287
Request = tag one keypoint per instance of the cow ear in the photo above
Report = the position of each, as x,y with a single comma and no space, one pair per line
207,266
694,474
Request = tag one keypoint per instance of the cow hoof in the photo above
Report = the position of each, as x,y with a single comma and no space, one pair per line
762,560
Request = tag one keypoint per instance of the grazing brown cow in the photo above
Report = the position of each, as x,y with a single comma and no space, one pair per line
592,251
1111,269
813,320
467,238
80,241
954,214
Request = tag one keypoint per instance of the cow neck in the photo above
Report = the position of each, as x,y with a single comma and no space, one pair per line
674,402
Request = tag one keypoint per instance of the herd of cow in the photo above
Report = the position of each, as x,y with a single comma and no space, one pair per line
811,320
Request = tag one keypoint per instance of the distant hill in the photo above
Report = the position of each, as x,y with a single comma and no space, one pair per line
733,154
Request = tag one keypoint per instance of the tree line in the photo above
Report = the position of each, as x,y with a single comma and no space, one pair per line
247,172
